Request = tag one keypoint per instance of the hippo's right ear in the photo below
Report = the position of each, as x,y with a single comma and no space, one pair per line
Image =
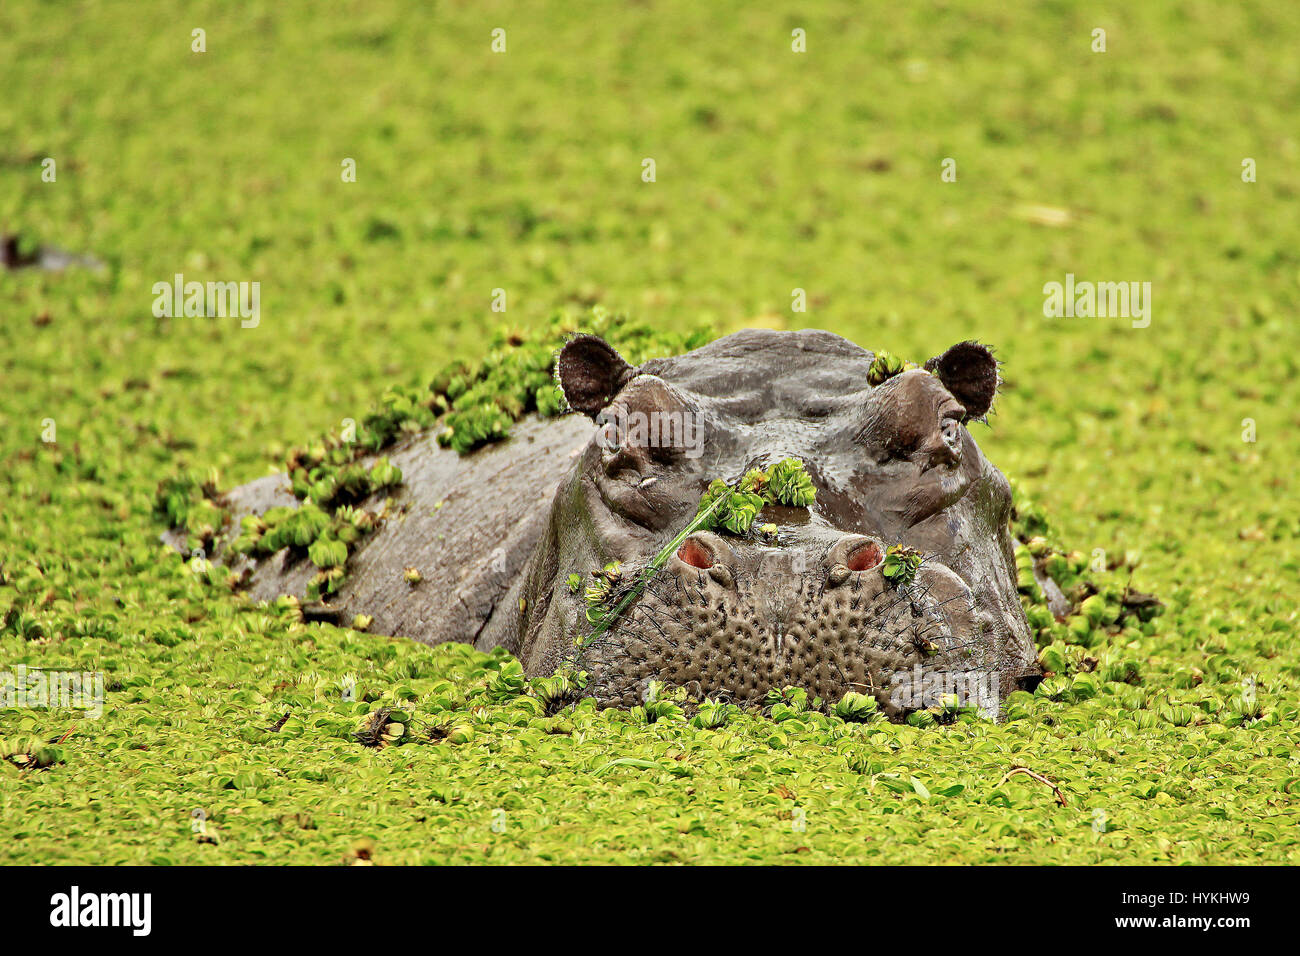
591,373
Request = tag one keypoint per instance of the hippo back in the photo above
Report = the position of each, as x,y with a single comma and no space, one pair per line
466,523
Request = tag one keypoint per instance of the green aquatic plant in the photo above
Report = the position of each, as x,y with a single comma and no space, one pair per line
562,687
712,714
734,508
602,588
731,508
885,365
901,564
507,683
857,707
790,484
189,502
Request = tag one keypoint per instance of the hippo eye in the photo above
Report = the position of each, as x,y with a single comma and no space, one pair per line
950,430
611,437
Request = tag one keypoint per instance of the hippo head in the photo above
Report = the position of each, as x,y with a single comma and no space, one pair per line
806,603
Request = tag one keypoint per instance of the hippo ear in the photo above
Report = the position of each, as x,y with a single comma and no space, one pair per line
591,373
970,372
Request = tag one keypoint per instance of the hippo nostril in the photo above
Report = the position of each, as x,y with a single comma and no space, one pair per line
695,554
865,557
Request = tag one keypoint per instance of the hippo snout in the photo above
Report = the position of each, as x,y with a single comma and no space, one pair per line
737,619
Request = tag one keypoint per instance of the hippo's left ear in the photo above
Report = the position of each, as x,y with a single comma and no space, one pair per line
591,373
970,372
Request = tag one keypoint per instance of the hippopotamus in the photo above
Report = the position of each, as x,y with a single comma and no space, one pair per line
488,547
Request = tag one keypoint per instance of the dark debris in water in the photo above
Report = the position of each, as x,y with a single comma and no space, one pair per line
22,252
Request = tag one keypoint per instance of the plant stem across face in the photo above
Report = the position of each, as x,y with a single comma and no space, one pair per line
786,482
650,570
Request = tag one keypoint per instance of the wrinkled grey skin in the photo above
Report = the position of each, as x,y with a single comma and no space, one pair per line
727,617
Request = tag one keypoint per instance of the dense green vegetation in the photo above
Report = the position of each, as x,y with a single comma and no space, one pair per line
1171,739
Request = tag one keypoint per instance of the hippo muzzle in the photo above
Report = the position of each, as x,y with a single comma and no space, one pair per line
733,621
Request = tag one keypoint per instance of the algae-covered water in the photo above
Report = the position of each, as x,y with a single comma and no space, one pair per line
911,176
